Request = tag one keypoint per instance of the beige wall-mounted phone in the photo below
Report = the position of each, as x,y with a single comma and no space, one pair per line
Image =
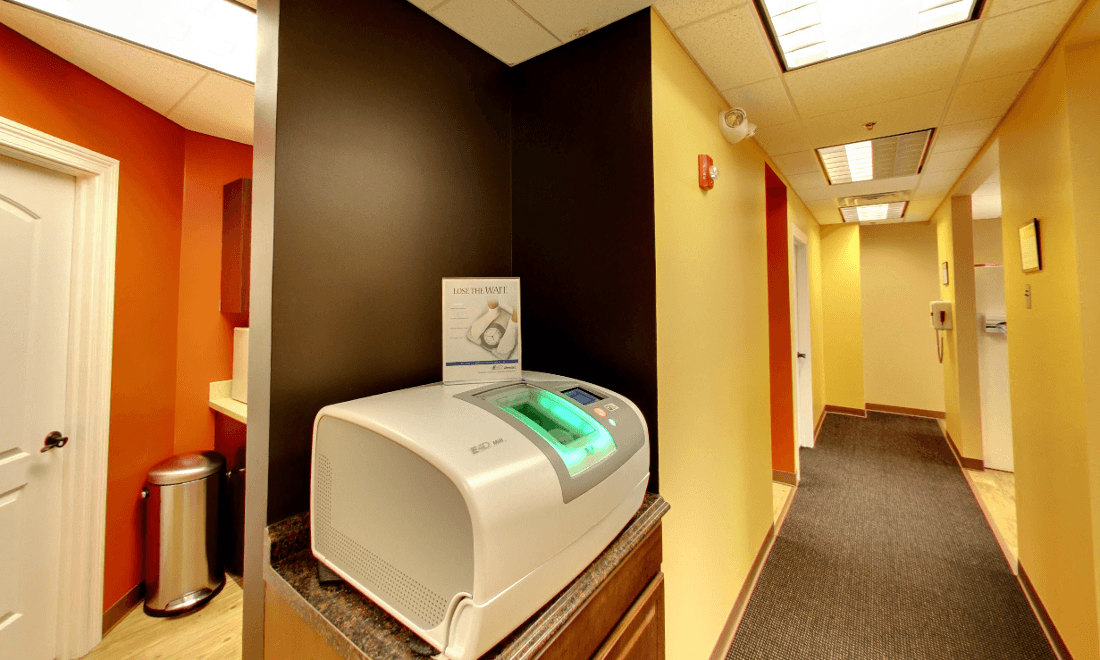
941,314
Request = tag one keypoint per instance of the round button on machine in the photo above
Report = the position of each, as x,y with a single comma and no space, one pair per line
600,411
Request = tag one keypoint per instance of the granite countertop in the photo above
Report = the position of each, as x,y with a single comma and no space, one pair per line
357,629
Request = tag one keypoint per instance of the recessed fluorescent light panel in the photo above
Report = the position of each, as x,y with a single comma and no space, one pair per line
808,31
880,158
216,34
874,212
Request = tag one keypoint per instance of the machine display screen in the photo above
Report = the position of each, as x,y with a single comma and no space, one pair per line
578,438
581,396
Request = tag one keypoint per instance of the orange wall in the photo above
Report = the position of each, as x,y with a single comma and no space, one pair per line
204,351
779,324
47,93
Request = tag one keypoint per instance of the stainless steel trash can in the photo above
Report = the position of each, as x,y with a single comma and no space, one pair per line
183,568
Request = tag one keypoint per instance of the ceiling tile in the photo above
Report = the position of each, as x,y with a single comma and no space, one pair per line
904,69
124,66
986,98
569,19
681,12
809,195
798,163
874,186
730,48
1000,7
946,161
427,5
782,139
766,102
808,180
821,205
498,27
891,117
219,106
926,192
1017,41
961,136
940,179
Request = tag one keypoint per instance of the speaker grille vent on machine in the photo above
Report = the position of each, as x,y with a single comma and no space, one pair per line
421,605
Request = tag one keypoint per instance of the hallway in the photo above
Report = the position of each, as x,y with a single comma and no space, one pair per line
886,554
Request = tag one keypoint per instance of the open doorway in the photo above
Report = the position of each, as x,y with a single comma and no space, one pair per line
996,485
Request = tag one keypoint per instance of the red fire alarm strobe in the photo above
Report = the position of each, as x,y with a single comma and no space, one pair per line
706,181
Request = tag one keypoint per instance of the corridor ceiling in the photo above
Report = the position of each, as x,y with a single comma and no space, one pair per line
959,80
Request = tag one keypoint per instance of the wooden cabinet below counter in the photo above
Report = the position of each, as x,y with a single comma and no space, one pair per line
623,619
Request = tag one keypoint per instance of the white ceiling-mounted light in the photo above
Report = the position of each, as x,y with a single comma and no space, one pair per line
215,34
735,125
879,158
808,31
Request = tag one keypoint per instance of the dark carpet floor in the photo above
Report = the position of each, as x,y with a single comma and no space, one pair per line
886,555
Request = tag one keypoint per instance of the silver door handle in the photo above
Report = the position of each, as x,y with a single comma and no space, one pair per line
54,441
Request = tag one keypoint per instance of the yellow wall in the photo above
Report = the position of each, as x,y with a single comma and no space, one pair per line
962,395
987,241
899,274
1045,356
841,316
712,376
1082,63
1049,152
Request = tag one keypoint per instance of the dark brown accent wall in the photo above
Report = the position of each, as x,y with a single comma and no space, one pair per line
582,212
392,170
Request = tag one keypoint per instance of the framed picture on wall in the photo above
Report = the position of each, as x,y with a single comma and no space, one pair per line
1031,252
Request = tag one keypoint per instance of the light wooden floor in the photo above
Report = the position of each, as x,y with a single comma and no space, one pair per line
212,633
779,498
997,491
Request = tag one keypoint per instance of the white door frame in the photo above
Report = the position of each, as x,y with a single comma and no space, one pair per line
88,385
801,313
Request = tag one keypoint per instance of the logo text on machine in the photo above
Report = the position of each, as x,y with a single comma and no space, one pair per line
477,449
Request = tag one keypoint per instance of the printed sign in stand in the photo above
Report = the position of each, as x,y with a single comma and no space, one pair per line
481,334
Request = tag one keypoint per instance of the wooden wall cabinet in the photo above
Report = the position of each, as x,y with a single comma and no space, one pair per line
236,245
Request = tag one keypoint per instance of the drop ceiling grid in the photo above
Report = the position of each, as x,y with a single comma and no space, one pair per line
730,48
964,85
218,105
1016,42
176,89
570,19
124,66
679,13
904,69
499,27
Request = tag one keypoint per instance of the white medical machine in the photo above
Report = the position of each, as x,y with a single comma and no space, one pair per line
463,509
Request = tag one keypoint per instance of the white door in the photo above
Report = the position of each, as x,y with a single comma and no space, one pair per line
36,220
996,405
804,371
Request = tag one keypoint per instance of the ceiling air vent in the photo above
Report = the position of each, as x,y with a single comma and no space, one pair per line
874,212
880,158
877,198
